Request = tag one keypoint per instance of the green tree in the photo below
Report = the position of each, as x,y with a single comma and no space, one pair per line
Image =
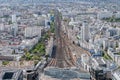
5,62
10,22
35,57
28,56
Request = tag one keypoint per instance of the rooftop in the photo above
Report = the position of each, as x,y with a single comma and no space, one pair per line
66,73
10,74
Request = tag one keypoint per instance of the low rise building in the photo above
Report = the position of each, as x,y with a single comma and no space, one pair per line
114,55
31,32
101,69
104,14
116,75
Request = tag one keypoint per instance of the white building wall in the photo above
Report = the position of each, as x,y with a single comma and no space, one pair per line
117,15
119,44
85,32
32,31
105,44
116,76
14,18
2,27
15,26
106,14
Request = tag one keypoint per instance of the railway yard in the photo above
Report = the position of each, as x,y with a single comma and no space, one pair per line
64,56
66,52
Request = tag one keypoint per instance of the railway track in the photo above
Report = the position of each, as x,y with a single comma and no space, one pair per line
64,57
74,46
52,62
68,50
62,60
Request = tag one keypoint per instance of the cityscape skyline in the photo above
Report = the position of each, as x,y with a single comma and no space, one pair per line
59,40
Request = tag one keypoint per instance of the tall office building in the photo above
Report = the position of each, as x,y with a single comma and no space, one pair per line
14,26
85,32
14,20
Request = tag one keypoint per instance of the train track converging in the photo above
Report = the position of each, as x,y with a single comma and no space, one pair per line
64,57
